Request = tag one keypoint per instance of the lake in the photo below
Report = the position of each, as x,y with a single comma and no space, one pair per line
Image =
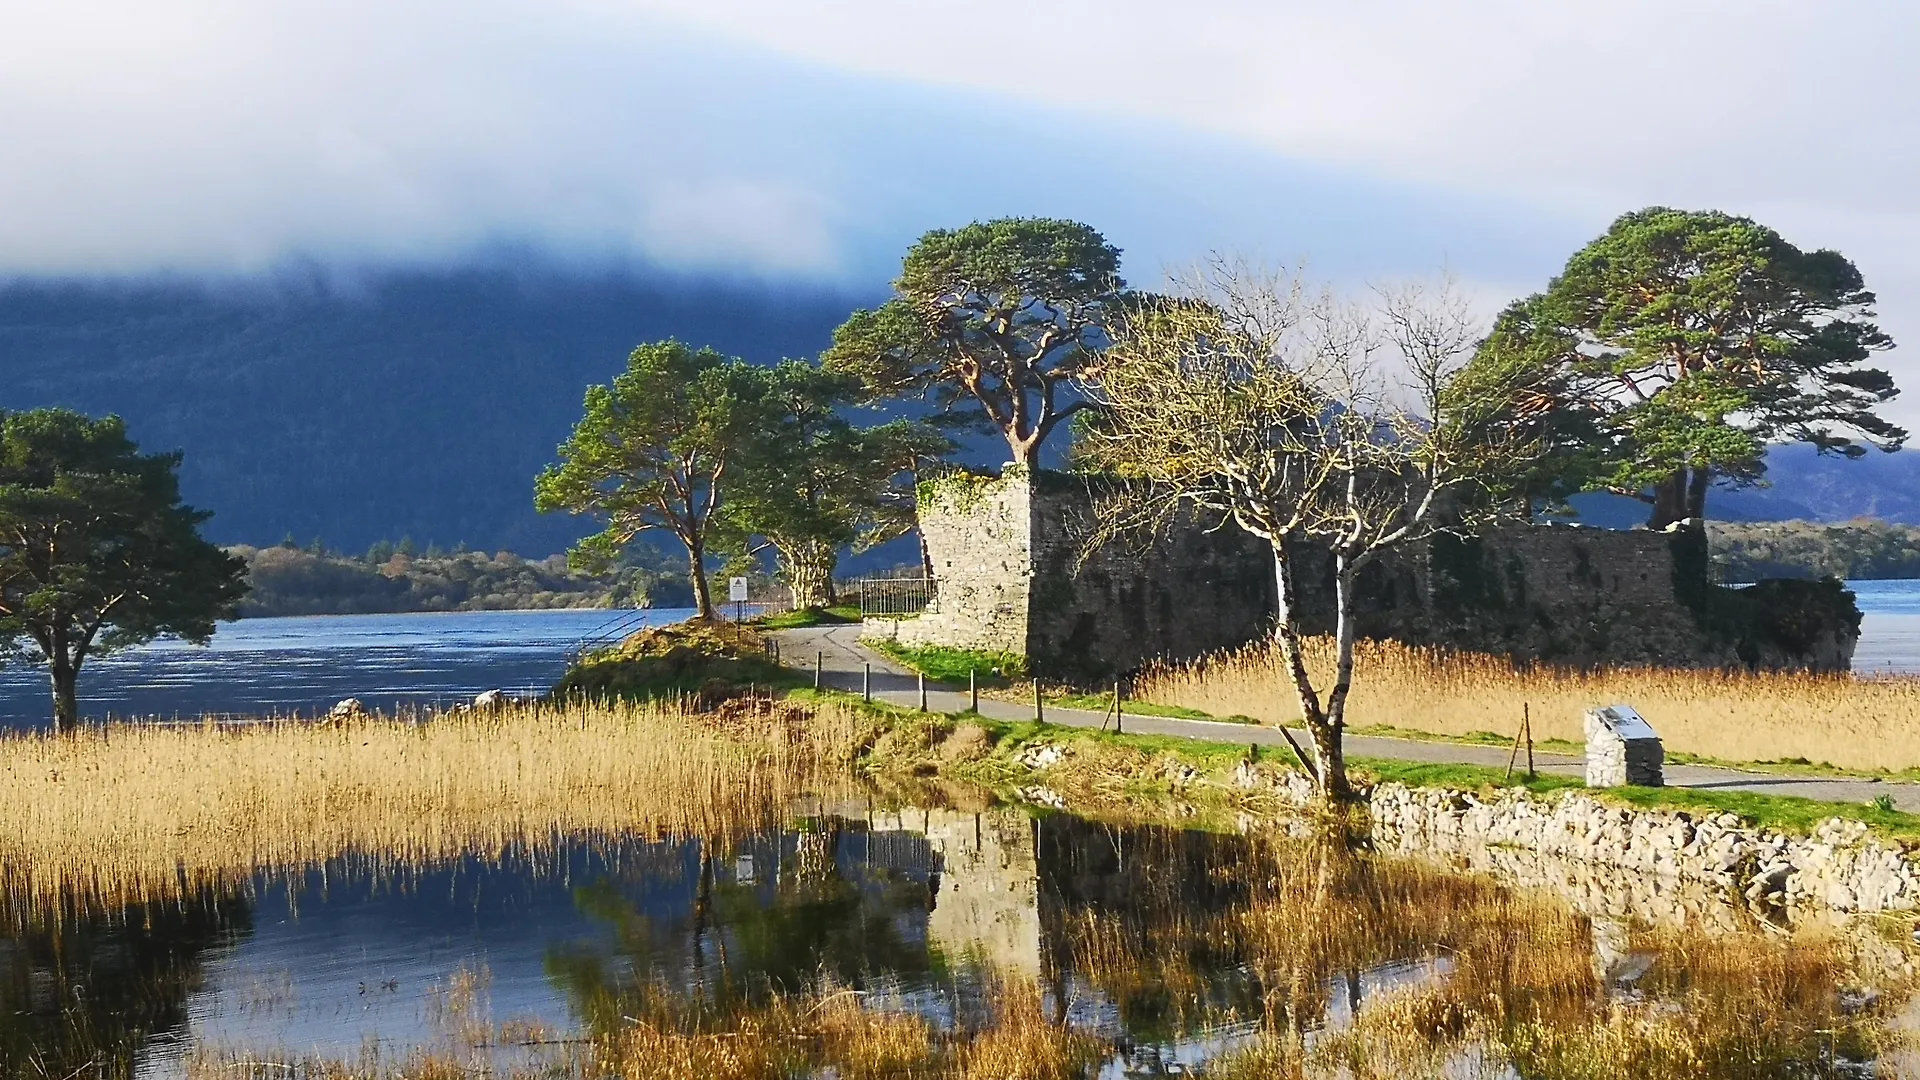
304,665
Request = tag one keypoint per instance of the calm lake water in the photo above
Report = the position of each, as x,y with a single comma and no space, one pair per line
305,665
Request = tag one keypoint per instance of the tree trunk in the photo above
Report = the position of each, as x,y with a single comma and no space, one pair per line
1329,764
1026,451
1697,493
810,565
1669,500
697,567
66,697
1334,755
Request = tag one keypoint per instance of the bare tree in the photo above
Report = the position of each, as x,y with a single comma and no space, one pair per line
1248,399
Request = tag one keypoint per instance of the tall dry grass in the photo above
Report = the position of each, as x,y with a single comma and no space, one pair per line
131,814
1735,716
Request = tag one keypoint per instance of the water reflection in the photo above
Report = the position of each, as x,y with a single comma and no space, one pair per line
1163,949
90,997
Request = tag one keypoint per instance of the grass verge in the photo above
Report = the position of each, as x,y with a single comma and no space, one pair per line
706,661
949,665
801,618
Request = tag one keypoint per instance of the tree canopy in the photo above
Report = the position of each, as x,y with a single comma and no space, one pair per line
1246,401
1678,345
97,552
660,447
1004,314
822,482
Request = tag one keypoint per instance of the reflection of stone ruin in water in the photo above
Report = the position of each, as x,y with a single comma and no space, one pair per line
986,905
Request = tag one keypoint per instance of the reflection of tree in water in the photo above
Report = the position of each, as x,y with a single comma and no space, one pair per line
80,999
1132,910
806,927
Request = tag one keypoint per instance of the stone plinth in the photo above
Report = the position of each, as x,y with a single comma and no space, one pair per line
1622,749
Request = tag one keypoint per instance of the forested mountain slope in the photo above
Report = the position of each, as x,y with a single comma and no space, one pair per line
415,404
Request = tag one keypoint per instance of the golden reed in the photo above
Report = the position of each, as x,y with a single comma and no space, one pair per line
1735,716
130,813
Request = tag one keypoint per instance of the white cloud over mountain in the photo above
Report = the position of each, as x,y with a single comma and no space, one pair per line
813,140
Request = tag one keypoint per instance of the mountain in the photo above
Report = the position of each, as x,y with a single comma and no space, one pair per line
417,403
1800,485
422,403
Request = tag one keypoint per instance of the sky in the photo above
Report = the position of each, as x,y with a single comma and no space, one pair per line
812,142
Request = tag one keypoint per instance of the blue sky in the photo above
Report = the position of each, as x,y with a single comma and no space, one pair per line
813,141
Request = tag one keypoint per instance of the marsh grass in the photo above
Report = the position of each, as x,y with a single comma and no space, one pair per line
1860,724
1498,977
125,814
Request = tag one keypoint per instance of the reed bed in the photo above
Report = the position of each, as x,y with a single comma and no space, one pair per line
1867,724
136,814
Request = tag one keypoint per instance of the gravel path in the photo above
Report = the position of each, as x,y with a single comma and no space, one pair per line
846,664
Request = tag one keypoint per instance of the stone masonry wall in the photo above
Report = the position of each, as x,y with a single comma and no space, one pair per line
1005,560
980,541
1005,557
1842,867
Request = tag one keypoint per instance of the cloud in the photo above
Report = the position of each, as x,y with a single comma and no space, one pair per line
1621,101
1370,137
228,135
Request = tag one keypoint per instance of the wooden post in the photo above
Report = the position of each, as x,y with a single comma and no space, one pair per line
819,664
1526,720
866,682
1039,706
973,687
923,691
1518,736
1116,706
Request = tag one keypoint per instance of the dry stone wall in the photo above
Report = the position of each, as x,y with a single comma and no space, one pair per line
1648,864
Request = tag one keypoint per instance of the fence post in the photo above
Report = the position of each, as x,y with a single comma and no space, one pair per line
866,682
1039,706
973,687
819,662
1116,706
1526,721
923,691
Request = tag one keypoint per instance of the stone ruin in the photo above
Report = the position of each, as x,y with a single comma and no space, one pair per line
1005,558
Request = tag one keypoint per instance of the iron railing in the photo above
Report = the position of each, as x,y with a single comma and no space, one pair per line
893,596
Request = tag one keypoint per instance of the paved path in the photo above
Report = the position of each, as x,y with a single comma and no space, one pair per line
845,663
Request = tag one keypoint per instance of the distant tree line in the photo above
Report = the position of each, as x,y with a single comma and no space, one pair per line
1855,550
391,577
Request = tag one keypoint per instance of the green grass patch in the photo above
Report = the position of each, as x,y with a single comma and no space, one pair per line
1073,699
709,660
801,618
949,665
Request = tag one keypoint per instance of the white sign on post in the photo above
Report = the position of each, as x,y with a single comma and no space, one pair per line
737,590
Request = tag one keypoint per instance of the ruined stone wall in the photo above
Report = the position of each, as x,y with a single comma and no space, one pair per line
1175,598
979,537
1005,556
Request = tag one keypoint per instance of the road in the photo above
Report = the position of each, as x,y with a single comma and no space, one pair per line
846,664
